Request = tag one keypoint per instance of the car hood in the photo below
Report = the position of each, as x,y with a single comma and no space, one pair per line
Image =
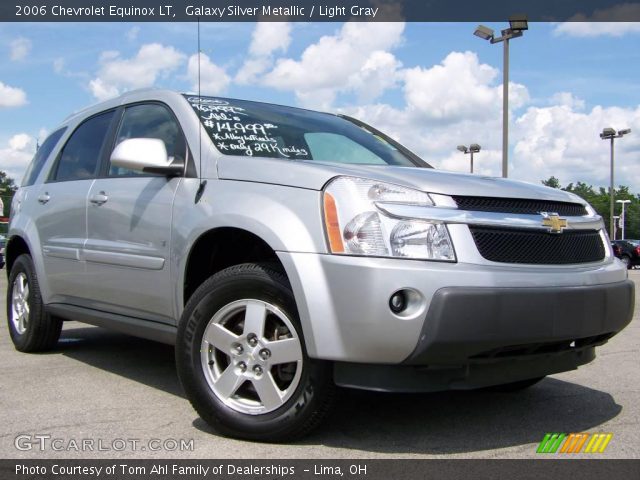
314,175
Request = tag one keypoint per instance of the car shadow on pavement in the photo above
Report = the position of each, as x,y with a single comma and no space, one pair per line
463,421
144,361
434,423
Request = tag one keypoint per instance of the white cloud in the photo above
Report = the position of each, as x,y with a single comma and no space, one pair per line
132,33
335,63
20,48
604,22
267,38
567,99
17,154
458,88
458,102
564,142
454,102
58,65
597,29
117,74
11,96
213,79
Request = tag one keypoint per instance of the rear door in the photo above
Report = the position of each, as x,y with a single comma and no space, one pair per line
129,221
60,209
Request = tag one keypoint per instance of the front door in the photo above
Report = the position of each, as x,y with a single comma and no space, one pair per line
129,225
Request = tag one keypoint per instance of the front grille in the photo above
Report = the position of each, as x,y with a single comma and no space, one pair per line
514,351
515,245
519,205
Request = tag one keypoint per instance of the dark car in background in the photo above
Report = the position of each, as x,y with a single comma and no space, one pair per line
628,251
3,241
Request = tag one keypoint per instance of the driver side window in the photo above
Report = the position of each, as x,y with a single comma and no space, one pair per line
150,121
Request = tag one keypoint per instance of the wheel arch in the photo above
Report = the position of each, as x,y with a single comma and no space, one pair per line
220,248
16,246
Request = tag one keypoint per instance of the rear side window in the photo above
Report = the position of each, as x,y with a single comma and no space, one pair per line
39,159
81,154
150,121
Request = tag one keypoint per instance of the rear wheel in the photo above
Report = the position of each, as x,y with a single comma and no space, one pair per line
30,327
242,361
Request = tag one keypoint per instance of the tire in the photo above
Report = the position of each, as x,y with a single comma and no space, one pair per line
31,328
515,386
627,262
249,376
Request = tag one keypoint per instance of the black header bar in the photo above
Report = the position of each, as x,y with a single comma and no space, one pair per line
317,10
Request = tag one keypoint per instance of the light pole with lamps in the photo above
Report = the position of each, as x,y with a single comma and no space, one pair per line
473,148
610,134
621,222
517,24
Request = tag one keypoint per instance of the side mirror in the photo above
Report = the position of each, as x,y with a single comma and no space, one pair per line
148,155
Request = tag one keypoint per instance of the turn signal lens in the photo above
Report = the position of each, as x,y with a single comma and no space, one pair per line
332,224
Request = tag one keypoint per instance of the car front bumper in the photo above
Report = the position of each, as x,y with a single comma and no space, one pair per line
465,309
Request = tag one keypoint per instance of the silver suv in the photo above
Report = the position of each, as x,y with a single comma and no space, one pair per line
285,251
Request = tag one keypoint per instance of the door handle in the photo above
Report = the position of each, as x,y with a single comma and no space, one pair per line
44,198
99,198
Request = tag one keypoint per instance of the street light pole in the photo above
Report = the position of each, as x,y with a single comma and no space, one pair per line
610,134
612,192
505,109
615,226
622,215
473,148
517,24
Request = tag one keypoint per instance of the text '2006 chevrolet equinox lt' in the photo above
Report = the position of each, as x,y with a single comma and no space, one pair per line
285,251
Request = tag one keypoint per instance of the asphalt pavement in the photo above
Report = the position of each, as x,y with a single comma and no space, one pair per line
102,395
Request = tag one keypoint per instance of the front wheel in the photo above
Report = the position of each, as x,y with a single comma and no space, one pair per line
242,360
31,328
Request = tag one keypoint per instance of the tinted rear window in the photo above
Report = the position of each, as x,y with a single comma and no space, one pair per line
80,156
39,159
244,128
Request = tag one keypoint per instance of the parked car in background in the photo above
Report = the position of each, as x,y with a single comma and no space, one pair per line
3,242
628,251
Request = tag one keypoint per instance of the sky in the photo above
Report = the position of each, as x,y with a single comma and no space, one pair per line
431,86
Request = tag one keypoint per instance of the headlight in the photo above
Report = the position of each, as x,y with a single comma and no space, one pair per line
355,225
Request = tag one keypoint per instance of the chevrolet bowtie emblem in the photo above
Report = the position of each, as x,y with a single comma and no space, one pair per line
554,222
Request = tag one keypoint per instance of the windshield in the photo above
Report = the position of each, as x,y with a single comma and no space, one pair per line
244,128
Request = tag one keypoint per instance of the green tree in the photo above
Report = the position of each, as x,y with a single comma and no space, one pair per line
7,190
552,182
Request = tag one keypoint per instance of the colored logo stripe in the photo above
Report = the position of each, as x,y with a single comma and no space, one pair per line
598,442
574,442
550,442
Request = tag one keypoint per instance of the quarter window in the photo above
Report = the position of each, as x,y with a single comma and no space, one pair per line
40,157
81,154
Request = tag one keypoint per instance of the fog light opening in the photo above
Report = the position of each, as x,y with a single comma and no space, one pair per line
398,302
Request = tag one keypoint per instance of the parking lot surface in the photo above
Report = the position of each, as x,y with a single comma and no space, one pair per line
110,390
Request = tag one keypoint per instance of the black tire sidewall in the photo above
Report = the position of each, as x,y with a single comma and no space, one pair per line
37,315
245,282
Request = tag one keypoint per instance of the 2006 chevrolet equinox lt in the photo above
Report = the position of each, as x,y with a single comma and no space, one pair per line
285,251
